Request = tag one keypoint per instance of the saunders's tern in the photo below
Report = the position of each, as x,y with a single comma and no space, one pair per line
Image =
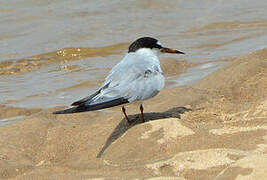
136,78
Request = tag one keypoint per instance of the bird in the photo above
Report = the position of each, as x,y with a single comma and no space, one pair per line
137,77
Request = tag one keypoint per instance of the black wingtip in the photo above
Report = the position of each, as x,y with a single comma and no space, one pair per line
57,112
83,108
67,111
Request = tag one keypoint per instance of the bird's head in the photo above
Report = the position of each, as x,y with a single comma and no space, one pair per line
152,44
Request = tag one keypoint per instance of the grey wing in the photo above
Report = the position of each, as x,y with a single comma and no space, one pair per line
132,83
145,85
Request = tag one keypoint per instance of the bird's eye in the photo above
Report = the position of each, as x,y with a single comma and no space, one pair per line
158,46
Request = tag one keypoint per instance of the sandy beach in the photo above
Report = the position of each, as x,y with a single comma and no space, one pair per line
215,129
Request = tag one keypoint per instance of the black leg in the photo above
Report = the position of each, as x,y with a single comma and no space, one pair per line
142,113
126,117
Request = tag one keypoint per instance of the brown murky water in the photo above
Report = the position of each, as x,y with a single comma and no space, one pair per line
57,51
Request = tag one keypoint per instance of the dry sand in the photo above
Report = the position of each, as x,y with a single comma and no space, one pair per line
215,129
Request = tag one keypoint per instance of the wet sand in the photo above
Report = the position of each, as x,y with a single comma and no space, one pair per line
215,129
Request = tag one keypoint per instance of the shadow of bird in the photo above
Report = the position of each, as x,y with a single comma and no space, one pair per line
135,119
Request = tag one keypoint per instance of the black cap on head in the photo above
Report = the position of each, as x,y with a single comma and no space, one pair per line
144,42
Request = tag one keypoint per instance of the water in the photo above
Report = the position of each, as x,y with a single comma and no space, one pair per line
30,76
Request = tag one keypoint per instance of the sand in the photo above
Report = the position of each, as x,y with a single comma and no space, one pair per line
215,129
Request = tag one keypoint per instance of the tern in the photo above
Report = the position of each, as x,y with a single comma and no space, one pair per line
137,77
